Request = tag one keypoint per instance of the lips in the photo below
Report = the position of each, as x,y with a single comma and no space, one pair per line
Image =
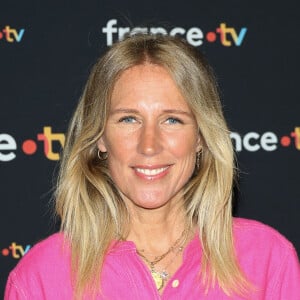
151,172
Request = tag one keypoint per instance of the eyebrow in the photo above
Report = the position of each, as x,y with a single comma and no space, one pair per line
134,111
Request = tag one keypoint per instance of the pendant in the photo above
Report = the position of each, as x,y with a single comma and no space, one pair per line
164,275
159,282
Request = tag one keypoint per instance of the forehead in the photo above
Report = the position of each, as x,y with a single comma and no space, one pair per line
142,75
147,83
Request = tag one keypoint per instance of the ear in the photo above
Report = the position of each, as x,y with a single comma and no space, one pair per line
199,143
102,145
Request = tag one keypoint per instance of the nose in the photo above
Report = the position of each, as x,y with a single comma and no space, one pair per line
150,140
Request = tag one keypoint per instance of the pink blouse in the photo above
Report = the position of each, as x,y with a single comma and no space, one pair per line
267,258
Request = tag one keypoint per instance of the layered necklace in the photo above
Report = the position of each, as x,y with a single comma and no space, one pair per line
160,277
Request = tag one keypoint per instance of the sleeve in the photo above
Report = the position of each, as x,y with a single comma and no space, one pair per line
43,273
287,284
13,290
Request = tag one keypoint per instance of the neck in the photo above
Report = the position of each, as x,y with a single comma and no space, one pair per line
155,230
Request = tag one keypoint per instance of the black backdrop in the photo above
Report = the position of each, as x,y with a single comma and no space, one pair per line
47,49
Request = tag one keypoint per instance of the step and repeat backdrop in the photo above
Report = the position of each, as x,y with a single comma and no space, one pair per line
47,49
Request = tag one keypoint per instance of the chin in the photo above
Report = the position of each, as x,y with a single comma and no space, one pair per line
151,205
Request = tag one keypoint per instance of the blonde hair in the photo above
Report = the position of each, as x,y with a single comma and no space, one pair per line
92,212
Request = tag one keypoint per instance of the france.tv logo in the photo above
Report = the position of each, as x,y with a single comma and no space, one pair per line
15,250
227,36
11,35
48,139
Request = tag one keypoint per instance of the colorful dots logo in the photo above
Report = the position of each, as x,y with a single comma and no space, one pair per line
286,141
211,37
29,147
5,252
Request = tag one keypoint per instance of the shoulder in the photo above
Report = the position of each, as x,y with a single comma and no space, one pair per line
268,259
46,265
249,231
43,272
263,251
256,238
45,252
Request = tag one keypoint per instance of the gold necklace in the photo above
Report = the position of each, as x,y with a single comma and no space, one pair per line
160,277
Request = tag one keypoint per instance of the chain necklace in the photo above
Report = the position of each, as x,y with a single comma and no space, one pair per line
160,277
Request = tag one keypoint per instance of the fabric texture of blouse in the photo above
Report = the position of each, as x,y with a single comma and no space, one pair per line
269,261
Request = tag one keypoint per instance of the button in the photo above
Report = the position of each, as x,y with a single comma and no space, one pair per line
175,283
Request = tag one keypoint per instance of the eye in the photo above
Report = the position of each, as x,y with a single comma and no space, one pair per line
127,119
173,121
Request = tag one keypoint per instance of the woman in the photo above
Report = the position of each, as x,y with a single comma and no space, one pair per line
145,191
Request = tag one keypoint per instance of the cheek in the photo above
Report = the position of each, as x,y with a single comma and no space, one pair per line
114,142
119,150
183,145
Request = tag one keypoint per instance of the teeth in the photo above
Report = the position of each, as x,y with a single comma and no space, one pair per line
152,172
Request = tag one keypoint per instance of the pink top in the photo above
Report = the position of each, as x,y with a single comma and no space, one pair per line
267,258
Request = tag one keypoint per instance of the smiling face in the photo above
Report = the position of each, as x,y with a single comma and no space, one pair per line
151,138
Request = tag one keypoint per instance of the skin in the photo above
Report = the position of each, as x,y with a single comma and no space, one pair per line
151,138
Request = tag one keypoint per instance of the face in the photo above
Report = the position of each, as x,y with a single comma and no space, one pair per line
151,138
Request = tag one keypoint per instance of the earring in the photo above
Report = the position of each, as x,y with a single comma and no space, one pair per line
102,155
198,158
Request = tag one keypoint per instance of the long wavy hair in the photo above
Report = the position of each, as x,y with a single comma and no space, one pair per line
87,201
